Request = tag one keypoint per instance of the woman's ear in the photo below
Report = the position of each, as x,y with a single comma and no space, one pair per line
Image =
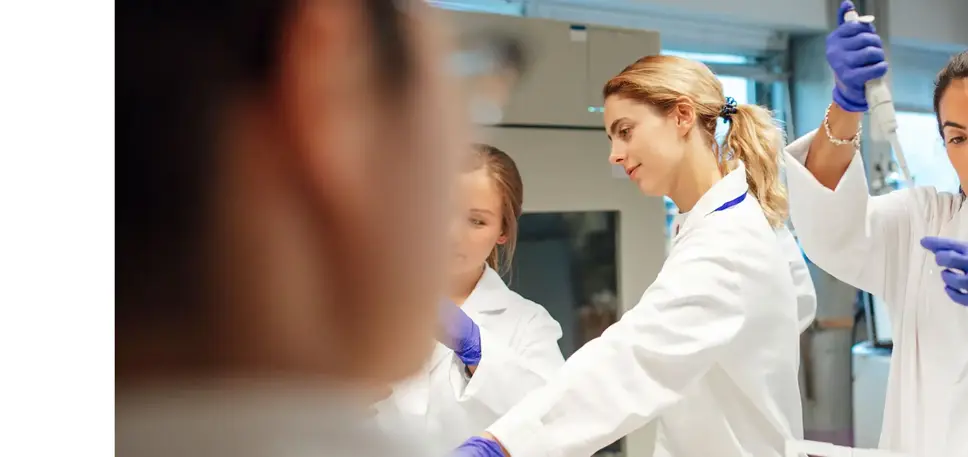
684,115
502,239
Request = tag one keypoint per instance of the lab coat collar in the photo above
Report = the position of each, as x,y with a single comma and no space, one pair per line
487,294
731,186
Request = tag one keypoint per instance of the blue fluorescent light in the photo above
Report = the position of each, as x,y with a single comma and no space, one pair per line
708,58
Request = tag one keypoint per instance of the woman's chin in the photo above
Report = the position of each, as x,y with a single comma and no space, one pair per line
650,191
461,267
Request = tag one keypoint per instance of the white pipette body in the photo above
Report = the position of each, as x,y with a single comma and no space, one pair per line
881,106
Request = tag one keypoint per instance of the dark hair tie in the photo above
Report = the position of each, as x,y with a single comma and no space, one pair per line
729,109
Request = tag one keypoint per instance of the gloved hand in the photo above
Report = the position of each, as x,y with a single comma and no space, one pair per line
952,255
856,55
478,447
460,333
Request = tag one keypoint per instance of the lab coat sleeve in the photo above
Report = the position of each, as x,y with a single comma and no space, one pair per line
802,282
859,239
638,367
507,373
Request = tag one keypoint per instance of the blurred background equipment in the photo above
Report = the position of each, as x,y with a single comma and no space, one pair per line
490,64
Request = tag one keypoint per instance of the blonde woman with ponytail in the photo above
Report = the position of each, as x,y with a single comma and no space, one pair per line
710,353
494,346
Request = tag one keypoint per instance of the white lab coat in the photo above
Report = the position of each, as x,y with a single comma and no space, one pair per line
802,284
873,243
710,351
519,352
799,272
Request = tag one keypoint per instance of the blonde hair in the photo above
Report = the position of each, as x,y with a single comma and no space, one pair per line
753,136
503,171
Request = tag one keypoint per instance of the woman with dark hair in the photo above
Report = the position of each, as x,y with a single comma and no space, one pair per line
261,296
909,247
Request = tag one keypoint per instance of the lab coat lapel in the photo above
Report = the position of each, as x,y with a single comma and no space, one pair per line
441,354
487,297
727,189
413,395
488,294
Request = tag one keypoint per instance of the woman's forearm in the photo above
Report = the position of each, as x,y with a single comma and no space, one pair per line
826,160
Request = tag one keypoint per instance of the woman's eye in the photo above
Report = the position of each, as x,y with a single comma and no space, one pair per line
624,132
957,140
476,221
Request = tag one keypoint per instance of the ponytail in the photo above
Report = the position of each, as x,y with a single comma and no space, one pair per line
755,139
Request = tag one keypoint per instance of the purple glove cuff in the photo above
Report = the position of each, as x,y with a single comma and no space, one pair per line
847,104
479,447
460,333
468,349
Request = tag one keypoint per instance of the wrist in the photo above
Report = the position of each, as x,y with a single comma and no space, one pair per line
842,127
847,103
488,436
481,447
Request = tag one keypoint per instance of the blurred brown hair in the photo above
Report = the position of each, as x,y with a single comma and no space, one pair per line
753,137
504,172
175,69
192,76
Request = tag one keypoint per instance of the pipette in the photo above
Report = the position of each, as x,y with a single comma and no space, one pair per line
881,106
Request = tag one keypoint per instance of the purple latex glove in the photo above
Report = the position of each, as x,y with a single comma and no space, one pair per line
856,55
460,333
478,447
952,255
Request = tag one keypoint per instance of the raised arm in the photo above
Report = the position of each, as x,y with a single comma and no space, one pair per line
841,228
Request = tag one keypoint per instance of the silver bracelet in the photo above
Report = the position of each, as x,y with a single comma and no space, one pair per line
855,141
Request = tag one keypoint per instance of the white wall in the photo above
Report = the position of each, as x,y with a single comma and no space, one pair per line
912,76
930,24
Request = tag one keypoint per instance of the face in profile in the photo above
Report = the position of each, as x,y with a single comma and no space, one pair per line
305,237
953,116
376,137
644,142
477,225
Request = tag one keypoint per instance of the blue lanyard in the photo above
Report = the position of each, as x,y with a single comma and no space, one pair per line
730,203
722,207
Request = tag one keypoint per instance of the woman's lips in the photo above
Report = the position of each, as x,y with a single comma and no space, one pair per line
631,171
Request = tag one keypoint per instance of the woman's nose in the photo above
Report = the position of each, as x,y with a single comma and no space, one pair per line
616,157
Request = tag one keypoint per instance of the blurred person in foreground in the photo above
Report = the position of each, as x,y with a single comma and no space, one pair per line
282,167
